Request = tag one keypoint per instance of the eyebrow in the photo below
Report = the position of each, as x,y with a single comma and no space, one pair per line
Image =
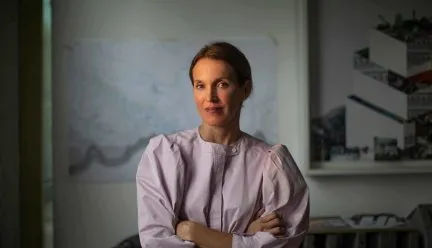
216,80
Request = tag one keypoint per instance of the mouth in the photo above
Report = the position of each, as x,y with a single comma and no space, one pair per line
214,110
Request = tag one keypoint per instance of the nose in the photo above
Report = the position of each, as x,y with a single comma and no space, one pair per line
212,95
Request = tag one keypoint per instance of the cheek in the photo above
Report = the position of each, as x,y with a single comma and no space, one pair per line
226,96
198,98
230,97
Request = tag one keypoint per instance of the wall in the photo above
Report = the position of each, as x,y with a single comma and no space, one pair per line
100,215
9,210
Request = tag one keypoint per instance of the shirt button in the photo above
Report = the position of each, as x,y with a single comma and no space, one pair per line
234,149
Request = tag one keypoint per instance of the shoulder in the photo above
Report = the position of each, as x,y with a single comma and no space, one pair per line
278,153
282,164
171,141
256,146
183,137
281,156
163,152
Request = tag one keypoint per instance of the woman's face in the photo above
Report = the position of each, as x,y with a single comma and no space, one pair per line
217,95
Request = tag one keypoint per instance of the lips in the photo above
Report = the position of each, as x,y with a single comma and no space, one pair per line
214,110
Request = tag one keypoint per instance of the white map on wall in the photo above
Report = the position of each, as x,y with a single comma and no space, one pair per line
122,93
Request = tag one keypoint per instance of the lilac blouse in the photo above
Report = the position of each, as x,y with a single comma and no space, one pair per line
183,177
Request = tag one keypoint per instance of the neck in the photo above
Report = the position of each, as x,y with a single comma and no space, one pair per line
220,135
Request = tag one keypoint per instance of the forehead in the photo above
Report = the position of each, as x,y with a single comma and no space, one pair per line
208,68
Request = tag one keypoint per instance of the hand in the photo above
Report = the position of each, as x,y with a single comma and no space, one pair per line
270,223
202,236
185,229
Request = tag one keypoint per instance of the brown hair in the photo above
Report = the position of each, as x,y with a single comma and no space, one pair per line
229,54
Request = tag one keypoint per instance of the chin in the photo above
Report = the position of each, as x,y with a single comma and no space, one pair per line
215,122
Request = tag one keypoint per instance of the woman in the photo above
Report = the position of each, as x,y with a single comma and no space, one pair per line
204,187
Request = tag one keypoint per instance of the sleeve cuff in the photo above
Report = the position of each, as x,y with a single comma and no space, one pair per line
243,241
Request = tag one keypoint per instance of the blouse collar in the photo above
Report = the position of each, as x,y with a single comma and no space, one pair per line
232,149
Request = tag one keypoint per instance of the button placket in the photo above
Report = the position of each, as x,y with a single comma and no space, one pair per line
217,204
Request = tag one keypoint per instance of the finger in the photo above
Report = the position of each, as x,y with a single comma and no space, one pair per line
276,231
269,217
273,223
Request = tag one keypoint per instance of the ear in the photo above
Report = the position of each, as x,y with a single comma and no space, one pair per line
247,87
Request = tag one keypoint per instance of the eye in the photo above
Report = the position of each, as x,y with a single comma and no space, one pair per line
199,86
223,84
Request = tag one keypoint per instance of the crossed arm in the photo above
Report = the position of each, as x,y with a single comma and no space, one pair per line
205,237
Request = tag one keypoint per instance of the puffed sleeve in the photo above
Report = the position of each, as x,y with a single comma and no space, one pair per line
159,182
284,191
